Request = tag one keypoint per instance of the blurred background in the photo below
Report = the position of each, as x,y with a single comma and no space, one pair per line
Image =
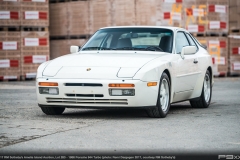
34,31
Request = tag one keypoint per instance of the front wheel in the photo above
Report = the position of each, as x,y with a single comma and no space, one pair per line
53,110
206,95
163,101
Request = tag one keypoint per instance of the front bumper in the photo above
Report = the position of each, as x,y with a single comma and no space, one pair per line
144,95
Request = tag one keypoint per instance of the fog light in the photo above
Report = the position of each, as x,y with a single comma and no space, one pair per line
46,90
122,92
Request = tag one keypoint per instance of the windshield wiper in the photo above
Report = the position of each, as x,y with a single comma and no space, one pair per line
127,48
153,48
104,48
97,48
90,48
150,48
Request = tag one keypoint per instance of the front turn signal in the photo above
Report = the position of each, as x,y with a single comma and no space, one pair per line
149,84
48,84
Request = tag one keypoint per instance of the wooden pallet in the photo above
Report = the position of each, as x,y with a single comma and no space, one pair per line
233,74
24,78
62,1
10,28
86,36
221,74
213,34
7,80
234,31
199,34
34,28
22,28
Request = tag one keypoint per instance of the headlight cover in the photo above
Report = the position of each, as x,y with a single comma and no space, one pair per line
122,92
49,90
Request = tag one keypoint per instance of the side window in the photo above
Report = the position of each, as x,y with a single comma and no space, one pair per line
181,41
192,43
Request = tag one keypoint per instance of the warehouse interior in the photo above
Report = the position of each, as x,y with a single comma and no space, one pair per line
35,31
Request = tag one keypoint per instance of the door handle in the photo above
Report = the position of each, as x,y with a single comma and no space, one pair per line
195,61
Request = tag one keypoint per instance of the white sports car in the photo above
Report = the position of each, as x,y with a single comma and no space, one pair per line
143,67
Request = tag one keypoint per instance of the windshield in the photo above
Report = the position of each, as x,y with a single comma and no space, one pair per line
151,39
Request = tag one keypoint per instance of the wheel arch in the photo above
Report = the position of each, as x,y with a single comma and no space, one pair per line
211,74
170,80
168,73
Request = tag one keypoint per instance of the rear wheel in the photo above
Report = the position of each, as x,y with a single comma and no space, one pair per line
163,102
206,95
53,110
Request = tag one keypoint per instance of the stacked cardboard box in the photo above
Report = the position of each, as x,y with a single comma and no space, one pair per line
172,13
62,47
206,16
218,48
195,16
58,19
217,17
10,47
100,14
68,19
234,54
34,44
21,52
123,13
10,13
234,14
78,18
150,16
34,51
234,37
71,20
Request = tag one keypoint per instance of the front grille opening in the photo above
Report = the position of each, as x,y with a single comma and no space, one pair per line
87,101
84,95
84,84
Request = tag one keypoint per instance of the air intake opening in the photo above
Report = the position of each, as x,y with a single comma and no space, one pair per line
84,84
84,95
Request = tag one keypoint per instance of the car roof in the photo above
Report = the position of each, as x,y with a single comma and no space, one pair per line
164,27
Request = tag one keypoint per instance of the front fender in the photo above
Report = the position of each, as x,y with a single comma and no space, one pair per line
41,68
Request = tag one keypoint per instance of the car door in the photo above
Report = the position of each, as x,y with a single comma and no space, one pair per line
187,70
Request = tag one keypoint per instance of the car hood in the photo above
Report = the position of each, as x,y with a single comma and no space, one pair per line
98,65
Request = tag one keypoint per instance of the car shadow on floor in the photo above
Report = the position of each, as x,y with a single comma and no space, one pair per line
119,113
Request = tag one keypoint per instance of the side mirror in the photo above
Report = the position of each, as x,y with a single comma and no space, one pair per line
74,49
188,50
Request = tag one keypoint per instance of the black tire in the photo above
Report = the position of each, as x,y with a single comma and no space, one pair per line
201,101
53,110
158,112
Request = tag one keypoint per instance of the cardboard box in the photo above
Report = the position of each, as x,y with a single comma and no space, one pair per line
78,18
10,44
9,68
34,13
150,16
10,13
101,12
59,20
122,13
